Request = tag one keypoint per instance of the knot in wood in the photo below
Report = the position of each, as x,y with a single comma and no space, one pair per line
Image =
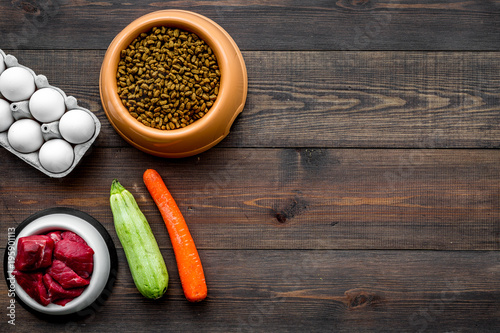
357,299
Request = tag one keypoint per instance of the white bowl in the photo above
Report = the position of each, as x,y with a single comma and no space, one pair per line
105,261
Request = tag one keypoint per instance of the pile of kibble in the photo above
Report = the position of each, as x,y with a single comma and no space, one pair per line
168,78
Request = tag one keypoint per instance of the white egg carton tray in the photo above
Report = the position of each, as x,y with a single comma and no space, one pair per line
49,130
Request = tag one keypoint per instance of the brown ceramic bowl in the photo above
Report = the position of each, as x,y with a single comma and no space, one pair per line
203,133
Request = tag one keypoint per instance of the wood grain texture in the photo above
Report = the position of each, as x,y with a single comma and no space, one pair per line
333,99
289,198
299,291
274,25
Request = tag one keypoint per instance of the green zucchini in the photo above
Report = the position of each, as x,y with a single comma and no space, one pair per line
144,258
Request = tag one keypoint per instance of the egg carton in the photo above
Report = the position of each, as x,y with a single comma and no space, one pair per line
20,110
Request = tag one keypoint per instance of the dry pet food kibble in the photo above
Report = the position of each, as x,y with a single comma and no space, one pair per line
168,78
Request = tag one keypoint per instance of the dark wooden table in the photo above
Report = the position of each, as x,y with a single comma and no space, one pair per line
357,192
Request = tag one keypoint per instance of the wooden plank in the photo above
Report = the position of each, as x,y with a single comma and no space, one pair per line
371,99
299,291
333,99
273,25
288,198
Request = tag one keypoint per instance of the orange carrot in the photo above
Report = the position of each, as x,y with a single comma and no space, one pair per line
186,255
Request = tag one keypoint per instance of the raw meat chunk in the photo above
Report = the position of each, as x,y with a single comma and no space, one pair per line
73,237
77,256
33,286
66,277
57,292
55,267
63,301
34,252
55,235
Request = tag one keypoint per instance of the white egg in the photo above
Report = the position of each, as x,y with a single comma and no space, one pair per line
56,155
17,84
77,126
25,136
6,118
47,105
2,64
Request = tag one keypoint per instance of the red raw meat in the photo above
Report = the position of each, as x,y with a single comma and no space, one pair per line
33,286
63,301
77,256
34,252
55,267
55,235
70,235
66,277
57,292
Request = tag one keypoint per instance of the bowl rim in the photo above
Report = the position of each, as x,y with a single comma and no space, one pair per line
110,264
224,48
